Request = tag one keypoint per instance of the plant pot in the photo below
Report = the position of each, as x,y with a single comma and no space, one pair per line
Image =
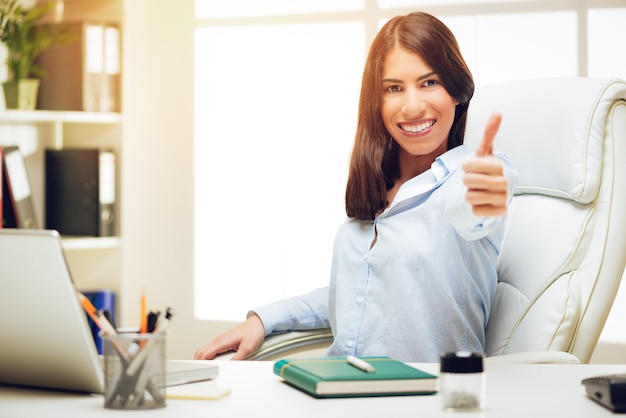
21,94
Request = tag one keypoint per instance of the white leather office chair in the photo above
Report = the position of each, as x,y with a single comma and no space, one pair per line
564,250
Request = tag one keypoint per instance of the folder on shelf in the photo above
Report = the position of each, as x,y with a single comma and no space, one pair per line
83,75
80,191
111,86
17,203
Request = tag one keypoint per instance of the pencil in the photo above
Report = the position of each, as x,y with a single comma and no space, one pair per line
143,320
97,317
102,323
89,308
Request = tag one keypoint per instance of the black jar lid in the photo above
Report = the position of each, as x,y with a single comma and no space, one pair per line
462,362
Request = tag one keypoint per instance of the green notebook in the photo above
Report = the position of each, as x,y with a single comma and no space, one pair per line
334,377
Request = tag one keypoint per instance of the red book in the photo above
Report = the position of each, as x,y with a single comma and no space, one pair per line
18,211
1,186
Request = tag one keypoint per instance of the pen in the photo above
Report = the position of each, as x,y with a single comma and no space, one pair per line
360,364
152,320
96,316
163,321
109,317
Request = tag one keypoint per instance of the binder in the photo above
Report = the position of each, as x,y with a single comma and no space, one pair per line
83,75
111,85
17,203
80,191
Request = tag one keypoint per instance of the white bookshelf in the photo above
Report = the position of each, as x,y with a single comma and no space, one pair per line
91,243
95,262
58,116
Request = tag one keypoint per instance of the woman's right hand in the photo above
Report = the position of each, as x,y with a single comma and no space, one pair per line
244,339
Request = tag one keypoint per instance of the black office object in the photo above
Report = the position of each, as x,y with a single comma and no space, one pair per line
80,191
608,390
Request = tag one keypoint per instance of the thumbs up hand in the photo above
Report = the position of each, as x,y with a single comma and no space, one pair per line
487,187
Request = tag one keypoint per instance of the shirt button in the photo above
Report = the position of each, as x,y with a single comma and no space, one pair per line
359,301
350,344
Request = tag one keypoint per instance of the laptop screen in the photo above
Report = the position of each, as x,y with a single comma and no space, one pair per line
46,340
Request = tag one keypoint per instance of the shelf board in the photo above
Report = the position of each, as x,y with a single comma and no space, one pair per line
62,116
91,243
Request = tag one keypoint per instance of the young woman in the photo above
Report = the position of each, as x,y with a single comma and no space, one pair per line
413,272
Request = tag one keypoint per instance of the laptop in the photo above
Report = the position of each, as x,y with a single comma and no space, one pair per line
45,337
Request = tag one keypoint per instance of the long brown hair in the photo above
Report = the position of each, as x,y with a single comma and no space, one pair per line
374,163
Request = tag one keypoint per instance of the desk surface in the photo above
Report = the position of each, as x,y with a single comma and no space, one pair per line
513,390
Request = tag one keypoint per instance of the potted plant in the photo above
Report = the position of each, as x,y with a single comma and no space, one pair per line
25,38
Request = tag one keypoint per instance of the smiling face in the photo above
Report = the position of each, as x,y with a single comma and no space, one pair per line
417,110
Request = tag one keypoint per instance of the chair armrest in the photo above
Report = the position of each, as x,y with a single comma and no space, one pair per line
280,345
534,357
292,343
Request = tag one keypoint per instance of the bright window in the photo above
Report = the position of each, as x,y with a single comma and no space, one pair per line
606,43
390,4
500,47
240,8
274,125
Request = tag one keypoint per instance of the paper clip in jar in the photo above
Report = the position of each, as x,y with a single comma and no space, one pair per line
462,381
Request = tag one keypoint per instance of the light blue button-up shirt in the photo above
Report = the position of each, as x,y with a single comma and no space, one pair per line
422,288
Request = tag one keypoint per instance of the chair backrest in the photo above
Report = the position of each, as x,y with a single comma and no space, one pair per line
564,250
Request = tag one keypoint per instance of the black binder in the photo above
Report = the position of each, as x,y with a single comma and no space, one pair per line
80,191
17,200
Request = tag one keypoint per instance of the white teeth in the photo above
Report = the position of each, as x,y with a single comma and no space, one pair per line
418,128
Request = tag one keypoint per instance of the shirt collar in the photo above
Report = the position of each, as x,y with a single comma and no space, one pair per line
449,162
425,182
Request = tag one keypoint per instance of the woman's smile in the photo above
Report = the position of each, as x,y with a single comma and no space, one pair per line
417,127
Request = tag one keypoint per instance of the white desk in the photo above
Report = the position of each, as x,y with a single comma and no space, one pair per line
513,390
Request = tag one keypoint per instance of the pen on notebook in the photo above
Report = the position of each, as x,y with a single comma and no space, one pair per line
360,364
